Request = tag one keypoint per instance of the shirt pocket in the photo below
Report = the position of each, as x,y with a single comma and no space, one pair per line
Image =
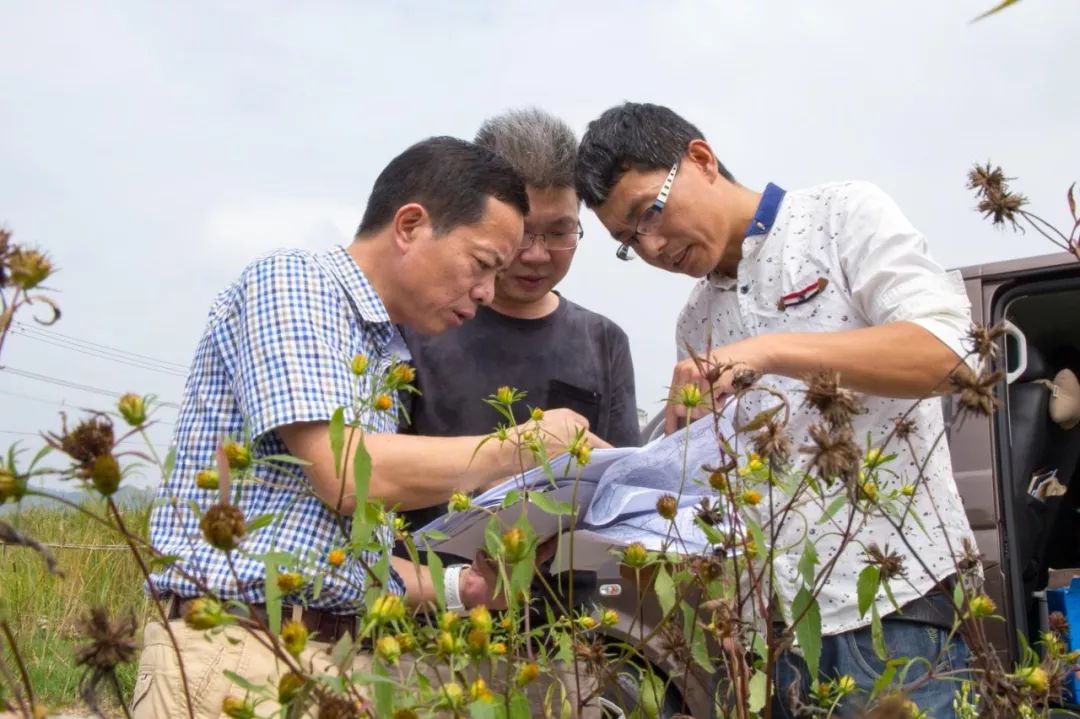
584,401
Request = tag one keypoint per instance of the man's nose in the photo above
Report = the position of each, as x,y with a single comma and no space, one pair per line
537,252
651,245
484,292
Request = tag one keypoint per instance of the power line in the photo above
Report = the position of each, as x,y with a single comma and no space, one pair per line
118,356
74,385
27,328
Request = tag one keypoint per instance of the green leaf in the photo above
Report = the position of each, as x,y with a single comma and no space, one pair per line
887,676
833,508
756,700
549,505
263,520
337,437
521,577
435,566
284,459
877,634
511,498
162,561
480,710
244,683
759,420
435,535
867,587
519,706
996,9
665,590
170,464
273,597
361,466
699,651
341,649
807,563
805,610
712,534
384,693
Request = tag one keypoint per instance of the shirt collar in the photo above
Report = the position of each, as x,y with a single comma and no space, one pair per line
764,217
766,212
356,285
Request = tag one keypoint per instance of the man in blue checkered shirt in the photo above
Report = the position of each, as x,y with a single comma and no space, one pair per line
275,362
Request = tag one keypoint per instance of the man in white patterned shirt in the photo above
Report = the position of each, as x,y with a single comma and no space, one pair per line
832,277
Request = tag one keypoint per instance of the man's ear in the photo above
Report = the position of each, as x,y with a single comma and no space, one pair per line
700,155
409,224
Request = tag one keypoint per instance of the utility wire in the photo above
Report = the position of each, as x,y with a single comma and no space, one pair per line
118,357
74,385
31,329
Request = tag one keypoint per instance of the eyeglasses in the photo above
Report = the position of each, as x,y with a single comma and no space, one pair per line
554,241
649,222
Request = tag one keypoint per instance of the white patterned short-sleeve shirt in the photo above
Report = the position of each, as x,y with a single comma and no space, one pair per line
825,259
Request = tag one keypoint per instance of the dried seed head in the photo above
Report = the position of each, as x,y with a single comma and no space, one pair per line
996,201
890,564
970,558
983,339
837,405
773,443
223,526
90,439
332,706
976,393
834,452
904,427
709,514
744,378
111,643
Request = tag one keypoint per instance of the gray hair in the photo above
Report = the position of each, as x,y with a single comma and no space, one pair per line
539,146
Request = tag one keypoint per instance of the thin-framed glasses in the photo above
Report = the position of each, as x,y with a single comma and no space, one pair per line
554,241
649,222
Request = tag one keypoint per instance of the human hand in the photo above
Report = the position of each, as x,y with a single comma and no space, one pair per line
477,583
701,384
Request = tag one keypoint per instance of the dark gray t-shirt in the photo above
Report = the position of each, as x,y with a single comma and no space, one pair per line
571,358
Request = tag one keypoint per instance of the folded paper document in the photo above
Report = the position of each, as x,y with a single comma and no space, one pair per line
613,496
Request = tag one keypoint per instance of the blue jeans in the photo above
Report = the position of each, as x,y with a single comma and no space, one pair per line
852,653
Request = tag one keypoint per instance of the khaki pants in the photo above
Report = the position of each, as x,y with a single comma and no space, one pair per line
159,690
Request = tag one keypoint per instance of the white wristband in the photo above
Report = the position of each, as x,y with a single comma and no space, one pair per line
452,587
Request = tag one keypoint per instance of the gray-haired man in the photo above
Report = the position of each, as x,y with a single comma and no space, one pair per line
529,336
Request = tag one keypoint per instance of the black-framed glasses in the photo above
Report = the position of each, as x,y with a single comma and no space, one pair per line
649,222
554,241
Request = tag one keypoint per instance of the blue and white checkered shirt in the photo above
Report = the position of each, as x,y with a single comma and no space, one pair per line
277,349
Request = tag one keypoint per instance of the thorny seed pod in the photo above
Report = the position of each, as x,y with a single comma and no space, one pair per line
223,526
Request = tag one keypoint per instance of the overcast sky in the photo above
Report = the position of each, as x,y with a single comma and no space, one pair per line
154,149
